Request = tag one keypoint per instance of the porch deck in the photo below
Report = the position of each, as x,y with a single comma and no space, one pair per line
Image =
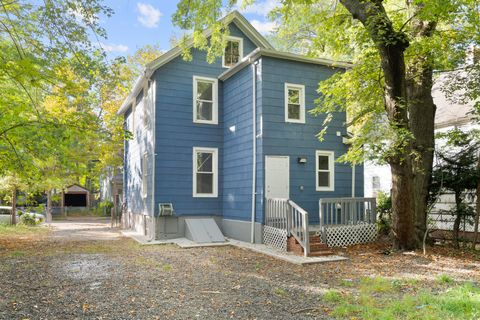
342,222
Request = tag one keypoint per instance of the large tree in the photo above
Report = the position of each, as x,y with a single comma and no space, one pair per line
50,118
395,46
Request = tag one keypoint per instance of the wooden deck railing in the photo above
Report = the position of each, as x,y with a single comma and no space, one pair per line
347,211
287,215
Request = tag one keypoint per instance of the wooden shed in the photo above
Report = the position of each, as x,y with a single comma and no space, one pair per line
76,196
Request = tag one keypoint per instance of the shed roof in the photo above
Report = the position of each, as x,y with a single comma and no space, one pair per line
76,188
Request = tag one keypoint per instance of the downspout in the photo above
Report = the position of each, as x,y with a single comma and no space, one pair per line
254,149
353,180
152,127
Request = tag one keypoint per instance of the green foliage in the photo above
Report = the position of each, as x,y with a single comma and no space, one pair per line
49,113
456,170
30,219
384,211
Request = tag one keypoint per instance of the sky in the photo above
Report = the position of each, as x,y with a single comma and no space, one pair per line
136,23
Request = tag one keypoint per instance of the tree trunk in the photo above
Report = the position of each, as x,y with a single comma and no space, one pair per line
49,206
458,217
14,206
422,125
477,209
402,206
114,209
391,46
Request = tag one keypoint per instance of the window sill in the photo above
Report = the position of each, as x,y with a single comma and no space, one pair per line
294,121
205,122
205,196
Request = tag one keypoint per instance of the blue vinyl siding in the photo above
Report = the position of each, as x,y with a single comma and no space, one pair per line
177,134
299,140
237,153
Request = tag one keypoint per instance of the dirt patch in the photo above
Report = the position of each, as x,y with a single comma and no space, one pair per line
92,279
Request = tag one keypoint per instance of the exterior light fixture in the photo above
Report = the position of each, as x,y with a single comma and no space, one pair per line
302,160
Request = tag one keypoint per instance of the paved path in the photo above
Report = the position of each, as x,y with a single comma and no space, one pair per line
84,229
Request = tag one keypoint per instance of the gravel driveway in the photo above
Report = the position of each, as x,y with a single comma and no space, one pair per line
88,271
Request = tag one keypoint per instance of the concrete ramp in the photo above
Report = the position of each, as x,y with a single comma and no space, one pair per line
203,230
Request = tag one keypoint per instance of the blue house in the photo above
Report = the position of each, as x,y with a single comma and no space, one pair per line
232,146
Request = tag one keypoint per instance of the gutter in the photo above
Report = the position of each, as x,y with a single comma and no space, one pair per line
139,84
254,148
353,180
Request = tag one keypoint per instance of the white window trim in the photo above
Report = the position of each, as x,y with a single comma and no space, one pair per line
331,166
300,87
214,151
144,175
240,49
214,97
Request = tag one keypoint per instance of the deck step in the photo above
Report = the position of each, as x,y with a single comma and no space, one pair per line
317,248
320,253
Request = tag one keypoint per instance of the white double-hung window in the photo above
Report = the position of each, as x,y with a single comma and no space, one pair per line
205,172
205,100
233,51
294,103
325,170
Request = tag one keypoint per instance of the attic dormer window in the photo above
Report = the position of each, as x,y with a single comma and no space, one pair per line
233,52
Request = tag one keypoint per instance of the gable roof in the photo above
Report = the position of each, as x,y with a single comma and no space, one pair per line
234,17
76,188
280,55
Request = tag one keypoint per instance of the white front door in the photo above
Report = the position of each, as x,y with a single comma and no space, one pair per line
277,177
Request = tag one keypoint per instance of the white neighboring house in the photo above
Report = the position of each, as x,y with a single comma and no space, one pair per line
449,115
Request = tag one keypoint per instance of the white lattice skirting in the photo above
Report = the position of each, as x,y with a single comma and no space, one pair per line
274,237
345,235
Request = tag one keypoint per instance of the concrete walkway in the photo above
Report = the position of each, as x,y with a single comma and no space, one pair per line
259,248
84,229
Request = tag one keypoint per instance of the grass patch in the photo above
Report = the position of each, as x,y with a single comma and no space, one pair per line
280,292
21,229
376,284
17,254
378,298
332,296
445,279
347,283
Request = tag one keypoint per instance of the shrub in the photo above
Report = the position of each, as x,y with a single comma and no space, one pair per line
384,209
30,219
